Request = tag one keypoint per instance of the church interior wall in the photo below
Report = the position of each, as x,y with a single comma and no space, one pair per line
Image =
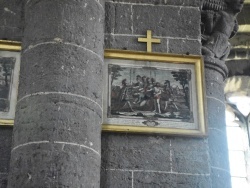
140,160
154,160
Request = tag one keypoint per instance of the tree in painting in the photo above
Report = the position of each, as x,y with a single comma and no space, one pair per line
115,72
183,77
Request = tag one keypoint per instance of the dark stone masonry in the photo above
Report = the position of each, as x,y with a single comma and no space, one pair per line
57,140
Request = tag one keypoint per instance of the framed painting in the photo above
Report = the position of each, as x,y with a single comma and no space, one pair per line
9,76
154,93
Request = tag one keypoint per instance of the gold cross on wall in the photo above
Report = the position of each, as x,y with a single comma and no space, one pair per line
149,40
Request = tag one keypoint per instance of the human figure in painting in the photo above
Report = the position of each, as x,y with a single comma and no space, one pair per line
167,94
124,98
149,88
167,97
138,87
138,83
142,98
186,90
157,96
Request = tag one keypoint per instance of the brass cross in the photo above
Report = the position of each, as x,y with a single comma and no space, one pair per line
149,40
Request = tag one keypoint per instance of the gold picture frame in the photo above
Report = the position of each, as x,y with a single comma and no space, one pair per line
9,79
154,93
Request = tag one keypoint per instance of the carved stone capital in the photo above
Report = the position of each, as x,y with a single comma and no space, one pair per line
218,24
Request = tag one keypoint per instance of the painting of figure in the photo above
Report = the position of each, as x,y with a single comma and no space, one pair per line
6,72
149,92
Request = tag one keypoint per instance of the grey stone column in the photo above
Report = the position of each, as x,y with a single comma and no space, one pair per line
215,74
56,141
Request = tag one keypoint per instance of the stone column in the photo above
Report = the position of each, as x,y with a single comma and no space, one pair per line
215,74
218,25
56,141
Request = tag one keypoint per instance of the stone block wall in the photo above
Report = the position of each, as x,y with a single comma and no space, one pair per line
133,160
11,21
10,29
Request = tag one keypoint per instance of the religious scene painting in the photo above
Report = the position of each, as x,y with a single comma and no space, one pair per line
7,65
150,92
153,93
9,76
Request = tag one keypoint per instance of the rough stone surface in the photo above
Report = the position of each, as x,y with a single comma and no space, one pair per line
77,22
182,46
217,139
124,23
130,43
216,107
3,180
158,180
5,151
214,89
218,25
58,119
146,153
5,147
64,118
54,165
167,21
123,19
11,20
116,178
120,151
63,68
189,155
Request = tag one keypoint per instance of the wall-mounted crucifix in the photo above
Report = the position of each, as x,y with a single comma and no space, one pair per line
149,40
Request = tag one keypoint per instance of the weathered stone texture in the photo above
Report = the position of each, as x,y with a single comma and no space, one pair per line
76,22
64,118
11,20
10,29
162,20
5,148
177,27
182,46
123,19
59,111
5,151
121,151
214,83
130,43
167,21
190,155
156,155
159,180
3,180
217,140
216,107
116,178
61,67
54,165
